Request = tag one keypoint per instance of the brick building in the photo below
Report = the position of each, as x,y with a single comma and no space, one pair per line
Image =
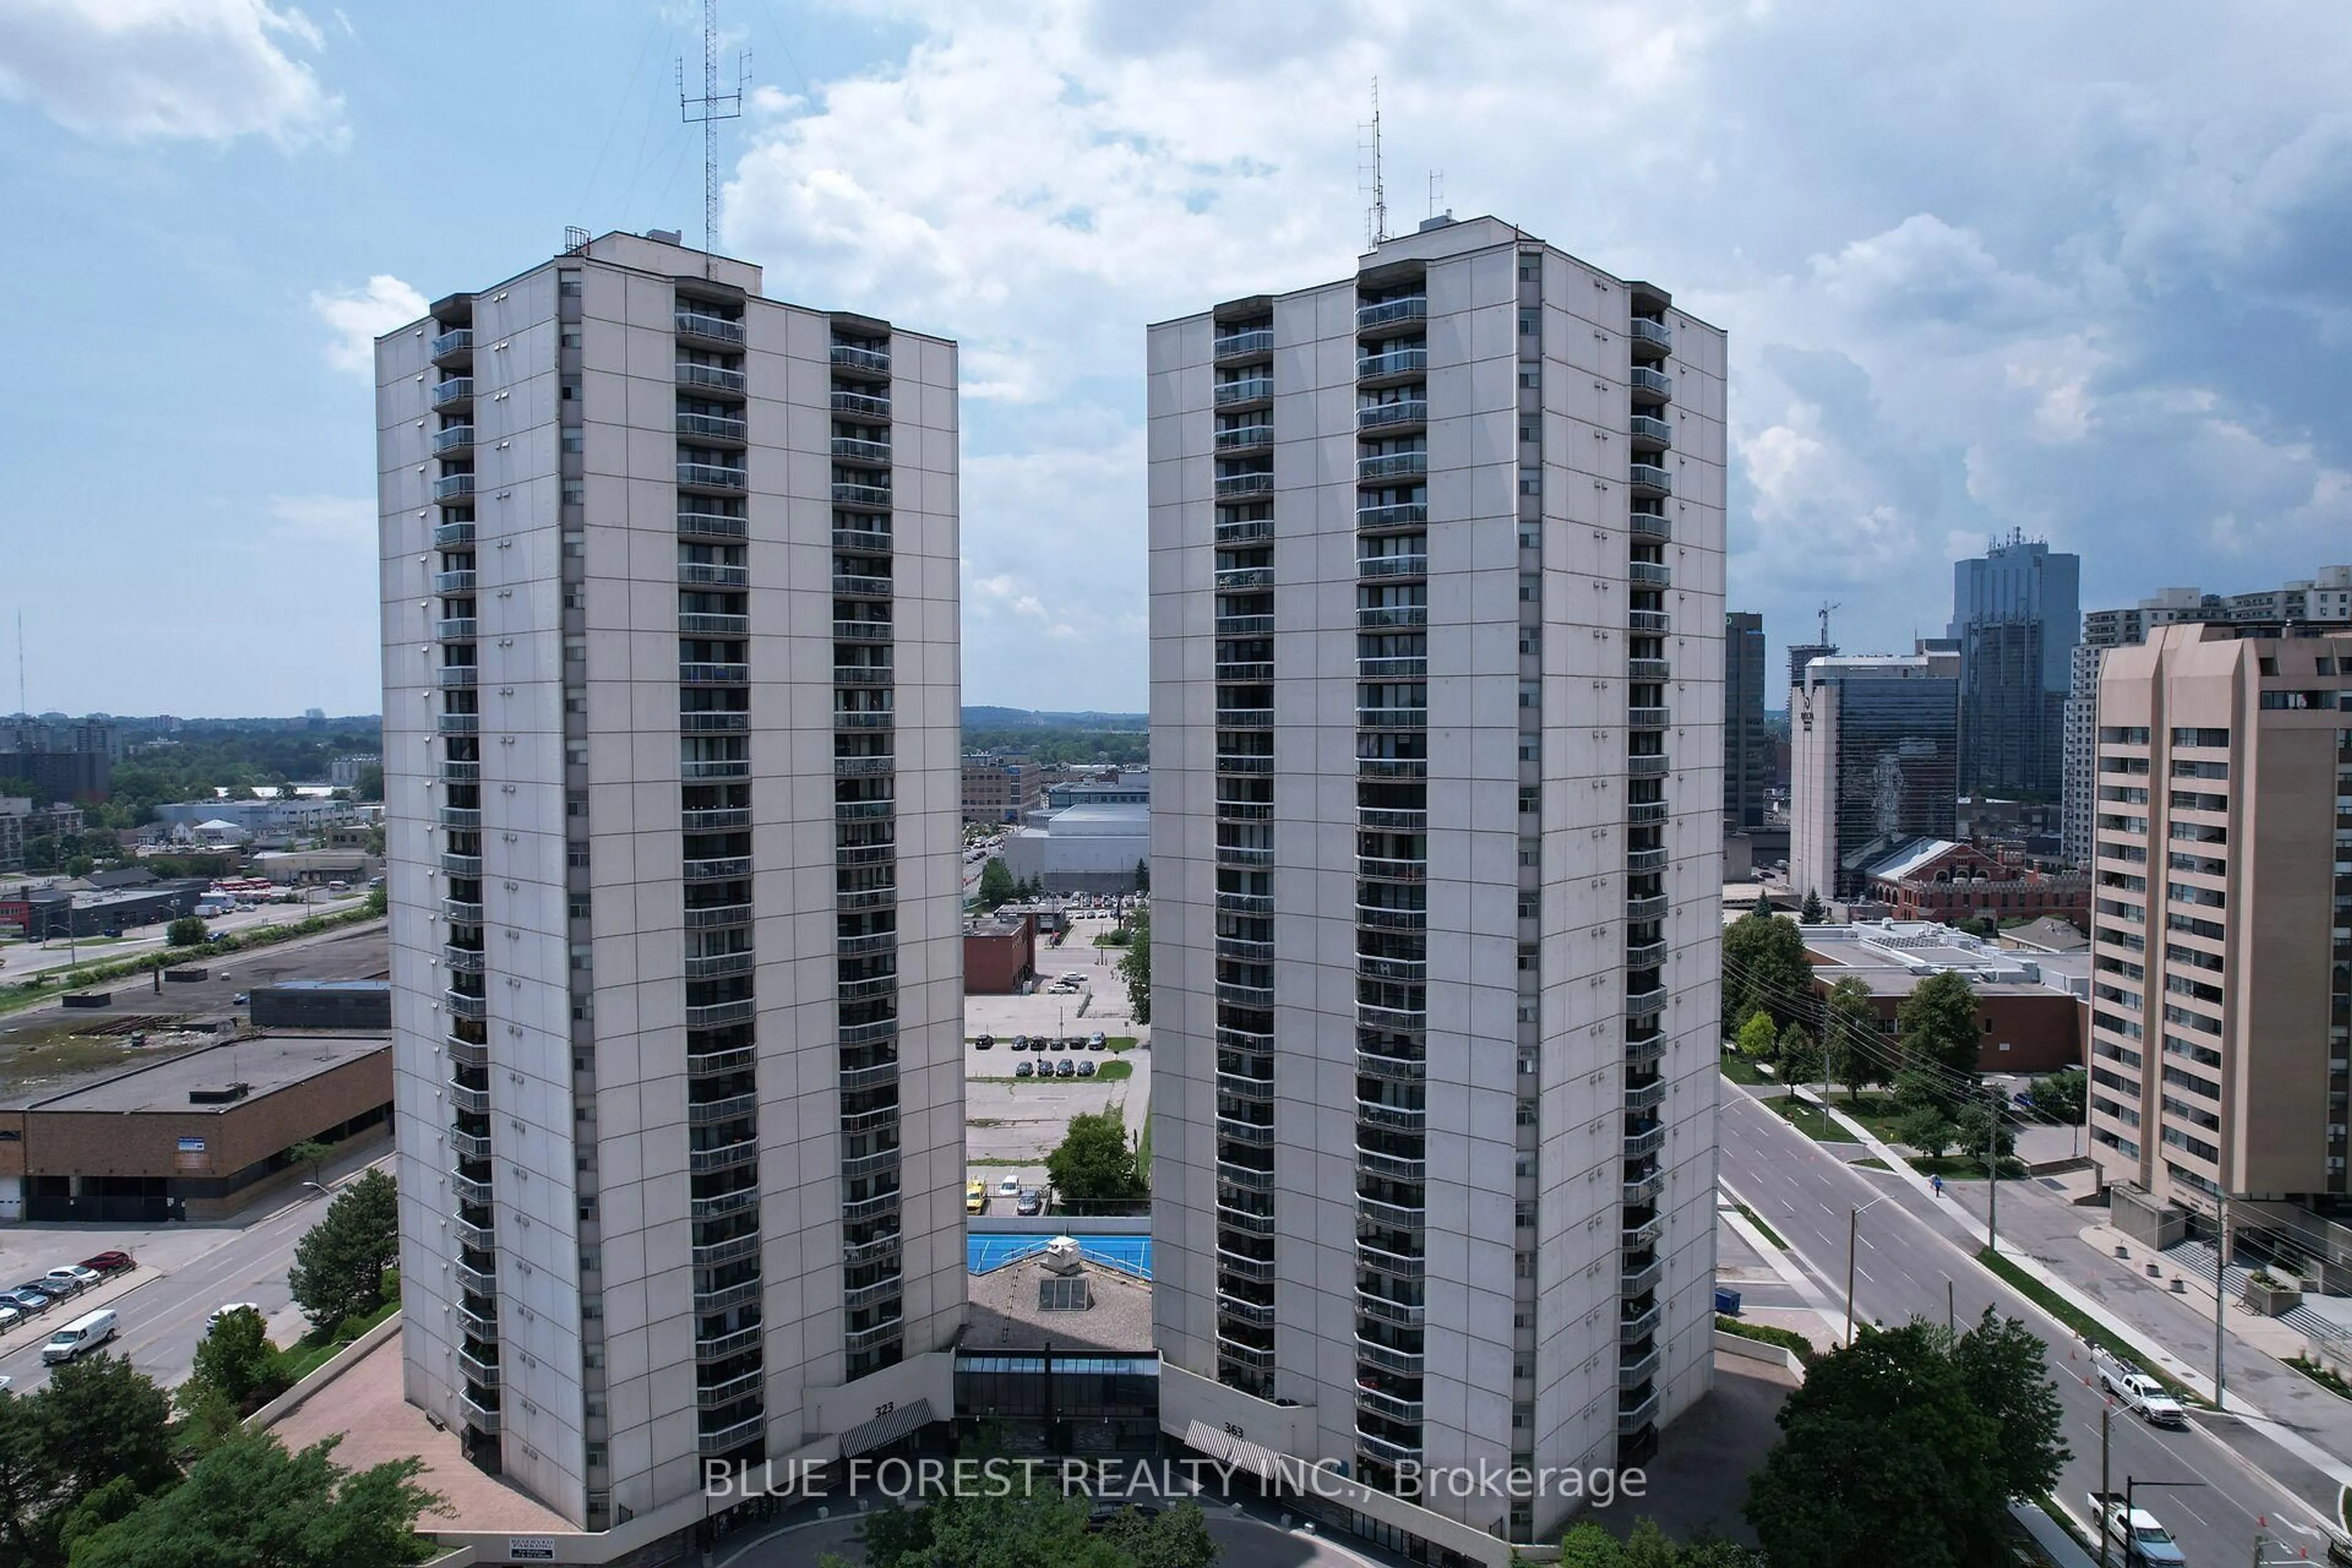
1938,879
999,953
2030,1020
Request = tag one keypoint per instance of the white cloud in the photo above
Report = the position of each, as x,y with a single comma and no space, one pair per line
139,70
323,519
360,316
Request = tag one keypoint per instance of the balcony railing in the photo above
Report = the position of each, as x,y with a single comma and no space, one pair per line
716,1015
452,438
1391,565
1649,575
1654,383
1245,530
461,1005
1646,331
461,580
456,390
1249,389
1649,477
1231,485
1251,341
858,449
1387,416
1397,514
716,377
725,1157
451,535
1391,466
712,524
701,324
1655,621
1404,307
1243,436
1395,362
711,426
699,674
1648,1140
450,675
456,341
1649,428
1645,1004
721,1439
863,404
845,493
1647,718
849,356
724,867
1647,907
714,476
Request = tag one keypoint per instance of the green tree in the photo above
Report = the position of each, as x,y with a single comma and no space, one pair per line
102,1417
1884,1458
1764,965
1135,965
338,1265
1143,876
2063,1094
1813,913
1587,1546
1936,1028
309,1152
1758,1040
377,901
235,1360
1014,1530
996,884
369,786
1977,1128
251,1504
2006,1369
1929,1129
1849,1037
1801,1058
1176,1537
185,932
1094,1163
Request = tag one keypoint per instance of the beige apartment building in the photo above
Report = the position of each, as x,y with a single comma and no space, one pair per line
2221,910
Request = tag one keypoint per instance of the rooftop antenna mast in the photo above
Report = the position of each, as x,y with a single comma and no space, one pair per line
1369,176
23,706
1436,190
708,111
1827,605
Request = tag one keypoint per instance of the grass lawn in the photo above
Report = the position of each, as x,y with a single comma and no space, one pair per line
1809,1120
313,1351
1872,1163
1740,1070
1119,1042
2042,1296
1143,1149
1758,1221
1765,1333
1115,1071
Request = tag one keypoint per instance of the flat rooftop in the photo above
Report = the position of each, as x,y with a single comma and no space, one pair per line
1892,957
1004,1313
266,1062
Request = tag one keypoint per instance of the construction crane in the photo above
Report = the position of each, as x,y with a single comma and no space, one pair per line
1827,605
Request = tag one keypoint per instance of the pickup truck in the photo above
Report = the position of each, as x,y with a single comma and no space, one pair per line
2139,1393
2144,1543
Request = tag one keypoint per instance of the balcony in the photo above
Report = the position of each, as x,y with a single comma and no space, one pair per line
1648,670
1649,575
1649,430
1632,1417
712,427
1646,862
1392,1167
714,477
1645,1004
469,1235
1395,362
719,1254
455,629
727,1346
1404,307
1645,1051
863,631
708,327
1653,334
1248,389
861,1211
1397,1265
725,867
864,810
858,450
453,393
712,917
1230,486
734,1390
461,1005
452,535
1649,482
1393,1117
1634,1238
1645,813
845,493
463,960
1404,1314
1243,438
699,674
1638,1367
460,912
709,377
865,404
872,362
469,1054
475,1325
1397,514
1245,530
470,1145
1250,341
482,1418
1649,382
881,1333
1647,718
453,439
1242,1309
713,720
1392,566
1644,906
1388,1450
719,1015
738,1201
1401,414
1635,1327
1393,717
1389,465
1233,579
725,1157
1651,525
735,1434
1388,1358
860,1252
455,343
479,1282
1644,954
1240,1266
1245,855
1657,622
449,674
1643,1143
856,585
864,719
1388,1406
1382,918
1384,869
694,524
461,580
864,541
1256,1090
721,1298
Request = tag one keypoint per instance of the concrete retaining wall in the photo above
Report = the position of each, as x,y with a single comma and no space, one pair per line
341,1362
1757,1350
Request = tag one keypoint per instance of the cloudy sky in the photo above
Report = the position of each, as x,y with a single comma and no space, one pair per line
2079,269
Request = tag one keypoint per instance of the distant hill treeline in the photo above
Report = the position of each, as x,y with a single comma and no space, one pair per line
1030,719
1058,740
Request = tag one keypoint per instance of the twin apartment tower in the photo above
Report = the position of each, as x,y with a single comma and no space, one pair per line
672,742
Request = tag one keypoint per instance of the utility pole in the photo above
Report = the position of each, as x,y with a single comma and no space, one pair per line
1992,1160
2106,1416
1951,1311
2221,1298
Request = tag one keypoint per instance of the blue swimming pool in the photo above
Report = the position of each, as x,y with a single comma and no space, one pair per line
1132,1254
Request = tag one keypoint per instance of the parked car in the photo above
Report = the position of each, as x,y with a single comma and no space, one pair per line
109,1262
2146,1543
1098,1041
1058,1044
9,1318
1025,1070
1033,1201
31,1303
2140,1392
80,1273
56,1290
1010,1187
982,1042
975,1197
1066,1068
1020,1042
1085,1070
228,1309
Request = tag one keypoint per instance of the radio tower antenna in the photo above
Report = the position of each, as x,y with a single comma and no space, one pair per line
21,706
708,111
1368,175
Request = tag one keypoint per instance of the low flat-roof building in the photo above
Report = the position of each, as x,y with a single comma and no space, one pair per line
323,1004
1940,879
1000,952
2031,1020
193,1136
1083,849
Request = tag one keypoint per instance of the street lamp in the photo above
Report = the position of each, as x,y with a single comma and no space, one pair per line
1853,1227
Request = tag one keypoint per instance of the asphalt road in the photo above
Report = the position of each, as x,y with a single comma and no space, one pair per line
162,1314
1911,1249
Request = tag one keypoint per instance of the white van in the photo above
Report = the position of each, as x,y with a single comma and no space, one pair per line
86,1332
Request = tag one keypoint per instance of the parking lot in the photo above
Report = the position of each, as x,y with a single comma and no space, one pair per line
1013,1124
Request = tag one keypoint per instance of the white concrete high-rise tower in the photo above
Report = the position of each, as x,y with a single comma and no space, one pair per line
671,740
1437,744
